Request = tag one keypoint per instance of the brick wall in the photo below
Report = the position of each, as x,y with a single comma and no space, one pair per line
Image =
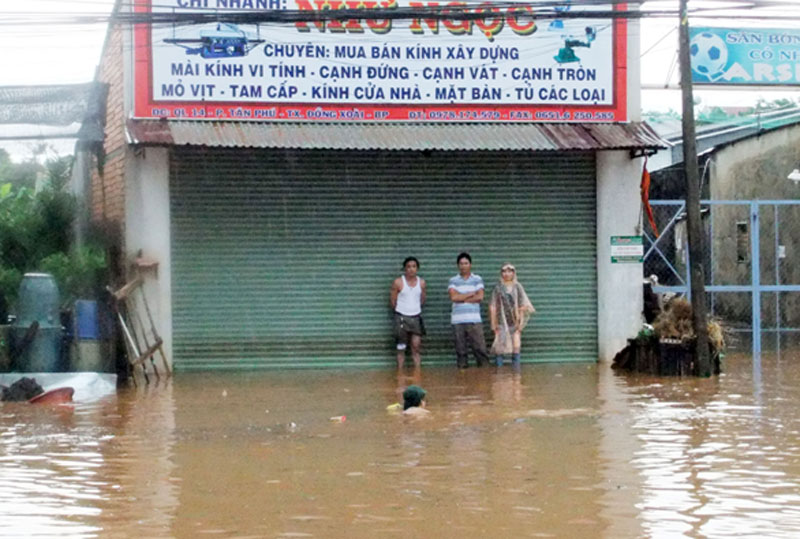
108,173
108,183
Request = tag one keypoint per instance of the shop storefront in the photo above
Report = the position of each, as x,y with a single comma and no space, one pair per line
282,220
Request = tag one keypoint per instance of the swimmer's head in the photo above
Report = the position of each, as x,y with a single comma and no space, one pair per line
413,396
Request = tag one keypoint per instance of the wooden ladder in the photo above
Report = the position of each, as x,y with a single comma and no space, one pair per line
141,338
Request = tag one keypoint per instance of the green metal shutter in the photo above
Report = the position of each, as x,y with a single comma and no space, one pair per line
284,258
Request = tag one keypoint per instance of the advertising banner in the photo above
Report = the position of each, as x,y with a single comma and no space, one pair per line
745,56
507,66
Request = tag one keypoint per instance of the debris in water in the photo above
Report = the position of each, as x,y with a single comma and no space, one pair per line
22,390
561,412
61,395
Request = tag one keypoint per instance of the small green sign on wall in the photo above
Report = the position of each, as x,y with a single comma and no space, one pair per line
627,249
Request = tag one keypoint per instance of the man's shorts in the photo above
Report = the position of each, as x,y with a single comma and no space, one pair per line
405,326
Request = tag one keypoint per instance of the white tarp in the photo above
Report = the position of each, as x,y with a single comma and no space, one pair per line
88,386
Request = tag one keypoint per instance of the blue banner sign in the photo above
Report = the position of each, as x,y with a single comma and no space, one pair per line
745,56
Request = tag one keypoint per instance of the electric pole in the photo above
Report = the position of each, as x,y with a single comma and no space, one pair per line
694,221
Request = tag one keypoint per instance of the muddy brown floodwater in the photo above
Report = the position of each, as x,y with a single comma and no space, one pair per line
568,450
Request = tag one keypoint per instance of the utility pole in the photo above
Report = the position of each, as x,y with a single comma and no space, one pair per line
695,225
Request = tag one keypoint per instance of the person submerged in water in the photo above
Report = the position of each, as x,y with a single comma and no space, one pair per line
414,401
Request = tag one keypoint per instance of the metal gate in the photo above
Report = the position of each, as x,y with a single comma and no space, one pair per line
283,258
750,259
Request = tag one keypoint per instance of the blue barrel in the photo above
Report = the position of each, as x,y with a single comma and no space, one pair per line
91,348
38,301
87,324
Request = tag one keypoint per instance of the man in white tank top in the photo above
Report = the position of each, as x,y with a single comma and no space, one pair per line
407,297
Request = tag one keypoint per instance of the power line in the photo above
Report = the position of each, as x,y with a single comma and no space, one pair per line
547,10
473,11
665,36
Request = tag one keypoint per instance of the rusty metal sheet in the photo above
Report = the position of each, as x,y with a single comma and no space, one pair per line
395,136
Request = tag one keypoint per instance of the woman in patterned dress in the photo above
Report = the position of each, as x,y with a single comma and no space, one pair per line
509,312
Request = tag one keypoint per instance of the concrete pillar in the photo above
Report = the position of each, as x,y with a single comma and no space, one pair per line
619,286
147,229
81,182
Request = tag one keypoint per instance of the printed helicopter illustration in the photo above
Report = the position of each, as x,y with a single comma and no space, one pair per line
558,24
226,41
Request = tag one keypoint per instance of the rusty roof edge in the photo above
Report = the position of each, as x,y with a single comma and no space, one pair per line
561,136
136,132
644,135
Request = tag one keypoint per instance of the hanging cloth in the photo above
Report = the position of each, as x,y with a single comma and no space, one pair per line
645,190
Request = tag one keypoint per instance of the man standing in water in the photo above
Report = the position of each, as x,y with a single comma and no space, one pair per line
466,293
407,296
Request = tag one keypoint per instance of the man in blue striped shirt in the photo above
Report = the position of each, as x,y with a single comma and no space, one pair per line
466,293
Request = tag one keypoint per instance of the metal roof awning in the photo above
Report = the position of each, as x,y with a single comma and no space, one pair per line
395,136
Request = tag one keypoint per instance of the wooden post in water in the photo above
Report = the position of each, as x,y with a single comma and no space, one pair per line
695,226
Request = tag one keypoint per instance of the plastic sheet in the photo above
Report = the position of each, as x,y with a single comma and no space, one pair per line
88,386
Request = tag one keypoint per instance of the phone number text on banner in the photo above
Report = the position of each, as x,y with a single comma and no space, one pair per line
506,66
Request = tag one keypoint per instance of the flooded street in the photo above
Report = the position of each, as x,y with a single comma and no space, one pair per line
560,450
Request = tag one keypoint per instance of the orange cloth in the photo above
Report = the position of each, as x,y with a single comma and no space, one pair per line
645,189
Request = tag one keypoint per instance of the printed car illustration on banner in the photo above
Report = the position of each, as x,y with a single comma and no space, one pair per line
504,65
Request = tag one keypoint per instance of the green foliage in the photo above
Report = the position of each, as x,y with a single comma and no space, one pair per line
22,174
57,211
763,105
55,171
660,116
78,274
715,115
10,279
36,235
19,224
708,114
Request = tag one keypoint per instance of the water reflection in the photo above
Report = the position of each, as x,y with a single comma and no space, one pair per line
714,457
140,482
551,451
45,472
75,470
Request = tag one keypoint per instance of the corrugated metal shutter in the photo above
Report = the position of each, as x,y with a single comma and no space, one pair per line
284,258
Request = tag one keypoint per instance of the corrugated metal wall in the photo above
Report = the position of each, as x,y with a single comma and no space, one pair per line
285,258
